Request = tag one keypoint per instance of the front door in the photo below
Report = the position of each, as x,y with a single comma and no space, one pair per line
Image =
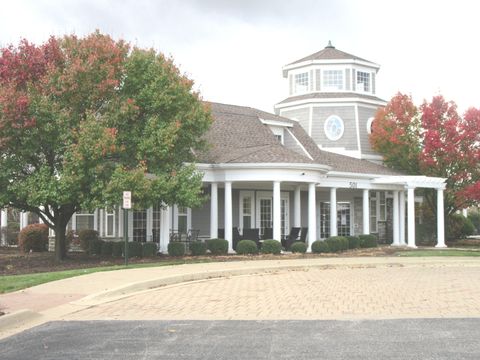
265,213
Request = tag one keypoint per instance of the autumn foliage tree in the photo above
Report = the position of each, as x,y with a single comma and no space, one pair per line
432,140
82,119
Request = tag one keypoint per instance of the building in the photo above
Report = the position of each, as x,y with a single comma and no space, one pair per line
308,166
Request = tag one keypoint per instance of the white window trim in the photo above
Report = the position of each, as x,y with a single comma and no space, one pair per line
107,214
95,219
326,88
284,195
332,138
278,131
370,77
175,218
243,194
369,125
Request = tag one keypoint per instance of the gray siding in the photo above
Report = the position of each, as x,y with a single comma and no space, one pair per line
347,79
347,113
318,79
364,114
201,219
302,115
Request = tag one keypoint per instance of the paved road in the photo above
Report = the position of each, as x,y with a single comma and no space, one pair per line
348,292
381,339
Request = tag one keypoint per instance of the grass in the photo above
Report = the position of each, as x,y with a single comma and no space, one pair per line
9,283
428,253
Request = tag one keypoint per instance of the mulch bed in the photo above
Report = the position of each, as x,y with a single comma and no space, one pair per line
14,262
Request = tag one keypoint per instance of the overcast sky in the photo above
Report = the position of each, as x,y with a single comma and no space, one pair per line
234,50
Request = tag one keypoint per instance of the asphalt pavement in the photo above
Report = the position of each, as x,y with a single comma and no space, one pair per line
365,339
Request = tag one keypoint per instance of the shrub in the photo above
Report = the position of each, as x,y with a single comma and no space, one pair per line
337,243
149,249
320,246
298,247
353,242
474,217
368,241
217,246
198,248
85,237
117,248
271,247
176,249
135,249
106,248
33,237
95,247
245,247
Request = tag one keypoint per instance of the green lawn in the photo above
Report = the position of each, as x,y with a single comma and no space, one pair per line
453,252
9,283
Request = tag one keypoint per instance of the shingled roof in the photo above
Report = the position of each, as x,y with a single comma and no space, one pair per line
330,53
238,135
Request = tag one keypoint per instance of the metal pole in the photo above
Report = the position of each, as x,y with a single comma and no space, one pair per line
125,234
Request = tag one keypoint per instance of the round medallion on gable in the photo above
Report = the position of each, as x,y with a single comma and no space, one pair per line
334,127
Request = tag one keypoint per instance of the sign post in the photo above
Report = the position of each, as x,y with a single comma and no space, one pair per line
127,204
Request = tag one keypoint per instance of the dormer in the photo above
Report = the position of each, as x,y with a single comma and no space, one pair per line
331,71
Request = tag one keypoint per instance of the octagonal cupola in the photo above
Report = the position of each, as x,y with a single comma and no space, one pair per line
332,94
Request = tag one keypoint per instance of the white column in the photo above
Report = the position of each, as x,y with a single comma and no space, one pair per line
366,212
40,220
402,218
23,219
149,224
3,224
333,212
464,212
396,219
297,208
277,233
101,213
228,215
95,220
214,211
411,217
440,220
312,216
164,230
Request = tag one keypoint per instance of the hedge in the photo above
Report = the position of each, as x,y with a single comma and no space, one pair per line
33,237
368,241
198,248
217,246
135,249
149,249
245,247
271,247
86,237
298,247
117,248
106,248
320,246
337,243
353,242
176,249
95,247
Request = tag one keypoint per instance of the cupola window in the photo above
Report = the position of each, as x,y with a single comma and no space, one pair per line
333,80
363,81
301,82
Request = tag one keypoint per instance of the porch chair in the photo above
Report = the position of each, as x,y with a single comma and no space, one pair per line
267,234
252,234
303,234
291,238
192,235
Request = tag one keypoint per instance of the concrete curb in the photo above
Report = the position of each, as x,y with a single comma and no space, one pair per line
18,318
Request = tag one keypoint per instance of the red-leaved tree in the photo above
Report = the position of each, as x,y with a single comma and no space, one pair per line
432,140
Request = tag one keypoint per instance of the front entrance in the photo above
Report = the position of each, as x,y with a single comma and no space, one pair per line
265,212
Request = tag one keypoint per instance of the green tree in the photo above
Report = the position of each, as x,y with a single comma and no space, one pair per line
82,119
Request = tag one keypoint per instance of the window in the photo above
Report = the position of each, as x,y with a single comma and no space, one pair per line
109,223
334,127
265,214
324,220
182,216
278,132
140,225
332,80
246,210
382,207
84,220
156,220
343,219
301,82
370,125
373,215
363,81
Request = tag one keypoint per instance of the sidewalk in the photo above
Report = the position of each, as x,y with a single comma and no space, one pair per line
54,300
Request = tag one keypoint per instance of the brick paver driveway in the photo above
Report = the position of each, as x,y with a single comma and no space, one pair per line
342,292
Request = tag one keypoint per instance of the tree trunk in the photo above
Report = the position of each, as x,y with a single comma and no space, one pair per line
60,240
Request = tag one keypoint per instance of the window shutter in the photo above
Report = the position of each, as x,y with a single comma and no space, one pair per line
317,78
